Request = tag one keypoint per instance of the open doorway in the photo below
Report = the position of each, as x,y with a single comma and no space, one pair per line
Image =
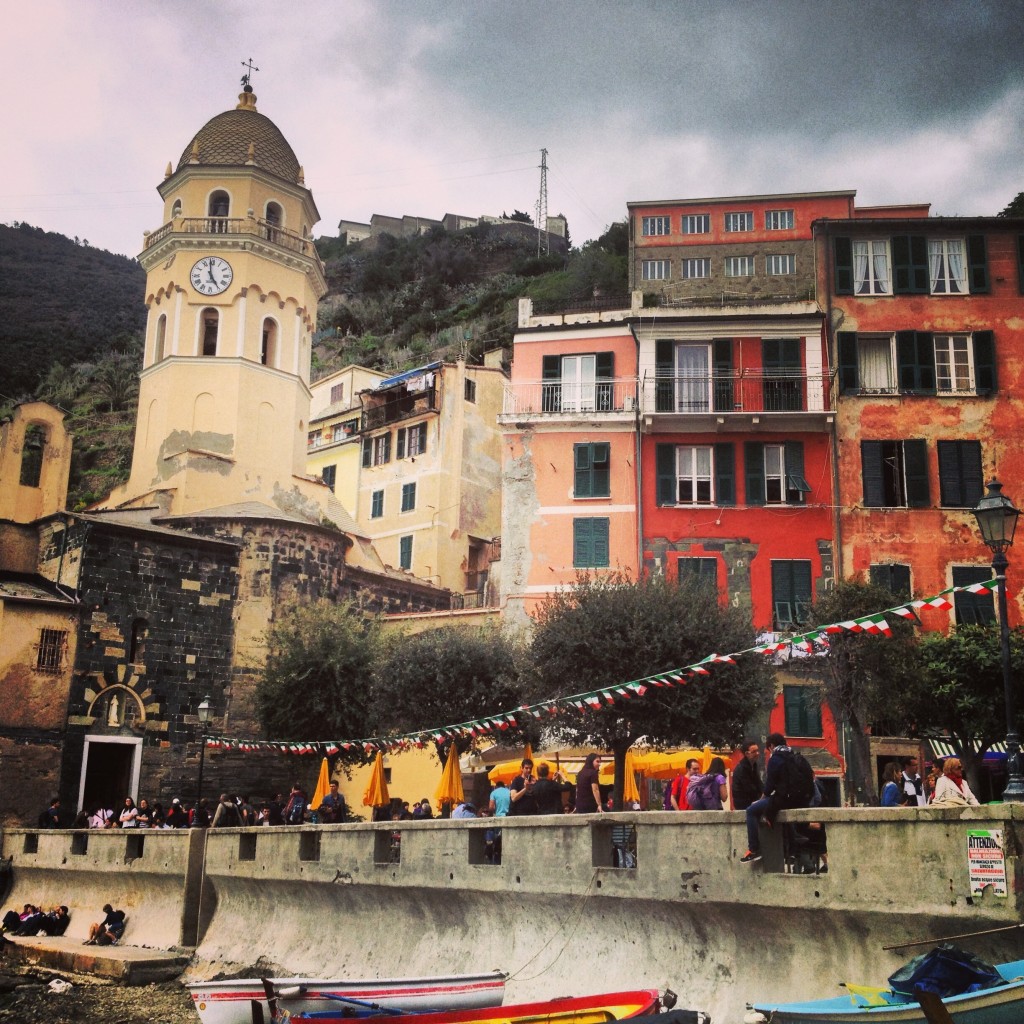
110,771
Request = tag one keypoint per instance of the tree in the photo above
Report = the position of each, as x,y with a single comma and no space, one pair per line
445,677
525,218
1015,208
316,684
961,691
606,631
865,676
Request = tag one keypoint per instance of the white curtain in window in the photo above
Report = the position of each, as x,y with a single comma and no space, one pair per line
946,266
875,364
860,267
693,393
957,269
880,265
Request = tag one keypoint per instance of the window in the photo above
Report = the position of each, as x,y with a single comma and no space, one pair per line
469,392
217,211
739,266
947,270
590,543
161,338
775,473
176,208
695,474
591,470
377,504
969,608
32,449
895,474
780,265
703,570
313,439
803,710
274,217
137,647
210,320
693,377
954,364
377,450
408,497
875,365
739,222
268,348
329,475
342,430
892,577
693,269
50,653
337,393
960,477
405,553
656,225
778,220
791,592
696,224
871,267
655,270
411,441
578,383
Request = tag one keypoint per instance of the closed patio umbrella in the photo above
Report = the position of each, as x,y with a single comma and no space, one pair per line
450,791
376,794
630,793
323,785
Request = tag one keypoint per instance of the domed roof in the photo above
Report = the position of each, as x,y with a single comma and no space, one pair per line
225,140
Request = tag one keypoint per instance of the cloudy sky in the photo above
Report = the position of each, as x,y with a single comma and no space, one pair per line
433,106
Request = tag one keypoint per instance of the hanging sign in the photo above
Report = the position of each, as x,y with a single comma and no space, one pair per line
986,861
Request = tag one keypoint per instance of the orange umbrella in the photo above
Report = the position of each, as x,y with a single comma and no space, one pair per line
449,791
376,794
528,751
323,785
630,793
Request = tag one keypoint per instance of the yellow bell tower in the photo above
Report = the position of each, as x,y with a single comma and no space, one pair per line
232,286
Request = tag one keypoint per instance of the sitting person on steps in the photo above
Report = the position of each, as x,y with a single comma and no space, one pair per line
109,930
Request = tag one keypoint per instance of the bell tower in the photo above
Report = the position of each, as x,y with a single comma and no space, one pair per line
232,285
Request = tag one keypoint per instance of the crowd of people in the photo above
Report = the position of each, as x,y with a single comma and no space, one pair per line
944,785
33,920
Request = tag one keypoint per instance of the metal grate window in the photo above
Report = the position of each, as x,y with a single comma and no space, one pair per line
52,644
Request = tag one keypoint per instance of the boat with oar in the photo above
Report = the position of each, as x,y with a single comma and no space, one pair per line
642,1006
229,1001
1001,1003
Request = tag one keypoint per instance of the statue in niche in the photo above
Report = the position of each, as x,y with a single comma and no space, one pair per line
113,717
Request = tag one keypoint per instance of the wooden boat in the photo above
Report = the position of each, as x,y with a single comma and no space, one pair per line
599,1009
229,1002
1003,1004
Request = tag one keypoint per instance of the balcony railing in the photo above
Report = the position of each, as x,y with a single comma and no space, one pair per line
401,406
534,398
738,391
234,226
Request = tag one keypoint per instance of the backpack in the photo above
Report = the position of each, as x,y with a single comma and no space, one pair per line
703,793
298,811
796,786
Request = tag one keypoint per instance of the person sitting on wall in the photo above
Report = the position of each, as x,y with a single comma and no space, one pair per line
13,919
176,816
32,924
56,921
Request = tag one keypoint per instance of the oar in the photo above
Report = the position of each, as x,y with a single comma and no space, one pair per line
268,987
389,1010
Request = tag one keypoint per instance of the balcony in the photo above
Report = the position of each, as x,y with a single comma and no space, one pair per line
402,405
253,226
570,400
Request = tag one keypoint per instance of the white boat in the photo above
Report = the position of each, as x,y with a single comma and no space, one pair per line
230,1001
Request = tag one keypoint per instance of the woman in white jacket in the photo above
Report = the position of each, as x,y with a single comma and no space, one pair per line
952,788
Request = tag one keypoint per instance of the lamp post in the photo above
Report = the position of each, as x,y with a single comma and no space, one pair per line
997,521
203,711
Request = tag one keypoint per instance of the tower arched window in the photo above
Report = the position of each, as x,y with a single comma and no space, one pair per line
32,455
161,338
218,210
268,349
275,217
137,651
210,326
176,209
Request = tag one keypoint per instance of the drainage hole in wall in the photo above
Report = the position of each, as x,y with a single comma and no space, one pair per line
451,876
598,886
518,879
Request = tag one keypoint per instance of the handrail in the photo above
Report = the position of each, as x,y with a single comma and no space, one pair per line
256,226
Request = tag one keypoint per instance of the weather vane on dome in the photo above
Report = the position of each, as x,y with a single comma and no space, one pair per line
252,67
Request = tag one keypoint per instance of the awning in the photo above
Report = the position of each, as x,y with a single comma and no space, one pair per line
390,382
943,748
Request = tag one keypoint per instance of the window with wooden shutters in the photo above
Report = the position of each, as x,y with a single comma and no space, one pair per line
408,497
910,265
842,262
329,474
591,477
704,570
915,361
968,607
791,592
376,504
895,474
405,553
892,576
961,483
695,474
775,473
783,390
803,710
590,543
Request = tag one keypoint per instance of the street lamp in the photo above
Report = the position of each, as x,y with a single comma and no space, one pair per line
997,521
203,711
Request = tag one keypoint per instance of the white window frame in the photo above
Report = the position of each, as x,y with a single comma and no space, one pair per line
657,225
778,220
872,267
869,381
775,473
690,475
954,364
579,383
381,455
696,223
741,220
695,268
782,264
739,266
655,270
943,255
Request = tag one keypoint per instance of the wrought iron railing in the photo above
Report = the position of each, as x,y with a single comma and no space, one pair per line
401,406
555,396
235,226
749,391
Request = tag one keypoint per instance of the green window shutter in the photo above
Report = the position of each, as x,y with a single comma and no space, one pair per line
803,710
665,465
892,577
753,465
972,473
871,472
1020,264
705,570
985,362
590,543
725,474
961,482
721,358
664,356
604,371
843,249
971,608
582,483
367,451
915,360
600,469
910,265
791,591
977,264
400,443
926,362
604,365
601,545
796,482
915,469
802,595
551,386
387,446
405,553
849,371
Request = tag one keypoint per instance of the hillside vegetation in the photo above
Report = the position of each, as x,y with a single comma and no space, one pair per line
72,318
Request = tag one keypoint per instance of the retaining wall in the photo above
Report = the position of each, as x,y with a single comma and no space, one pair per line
561,919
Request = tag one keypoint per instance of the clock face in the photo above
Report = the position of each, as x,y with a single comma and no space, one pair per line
211,275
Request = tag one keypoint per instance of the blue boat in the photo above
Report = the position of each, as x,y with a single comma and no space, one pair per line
1001,1004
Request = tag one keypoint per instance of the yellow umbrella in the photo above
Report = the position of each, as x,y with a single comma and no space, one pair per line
449,791
376,794
323,785
528,752
630,793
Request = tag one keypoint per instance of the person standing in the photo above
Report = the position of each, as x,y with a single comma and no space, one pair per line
682,783
588,790
50,818
521,790
332,808
746,777
547,792
913,787
129,814
892,794
226,815
952,788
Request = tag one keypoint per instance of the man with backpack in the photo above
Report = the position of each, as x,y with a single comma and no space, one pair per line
788,783
676,793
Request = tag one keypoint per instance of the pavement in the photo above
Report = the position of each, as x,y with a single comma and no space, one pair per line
125,965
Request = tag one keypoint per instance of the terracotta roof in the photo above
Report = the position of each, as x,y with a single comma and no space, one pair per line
224,141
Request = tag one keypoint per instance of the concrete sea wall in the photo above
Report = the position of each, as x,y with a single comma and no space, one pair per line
555,913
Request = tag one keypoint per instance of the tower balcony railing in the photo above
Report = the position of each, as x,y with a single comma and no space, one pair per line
253,226
565,398
736,391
